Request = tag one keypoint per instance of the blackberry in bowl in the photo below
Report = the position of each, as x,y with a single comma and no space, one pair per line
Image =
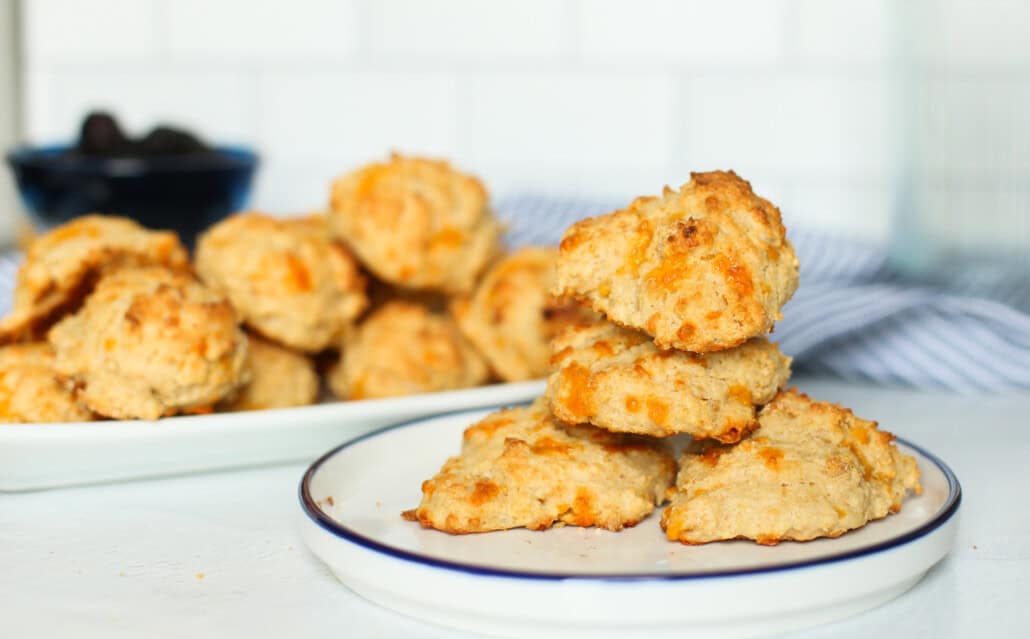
167,179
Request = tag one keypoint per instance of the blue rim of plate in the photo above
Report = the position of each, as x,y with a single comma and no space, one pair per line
311,509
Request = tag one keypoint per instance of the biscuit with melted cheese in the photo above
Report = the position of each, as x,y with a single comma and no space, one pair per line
702,268
417,223
811,469
618,380
403,349
30,390
521,468
279,378
62,266
512,317
288,280
150,342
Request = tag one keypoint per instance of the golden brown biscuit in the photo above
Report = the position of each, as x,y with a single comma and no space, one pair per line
150,342
285,277
416,222
279,378
61,267
403,349
512,317
522,468
701,269
811,470
30,390
618,380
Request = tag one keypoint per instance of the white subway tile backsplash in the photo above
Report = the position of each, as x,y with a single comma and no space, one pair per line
551,121
94,30
263,30
977,33
617,184
38,105
694,32
354,118
445,27
597,98
218,106
291,188
828,33
818,125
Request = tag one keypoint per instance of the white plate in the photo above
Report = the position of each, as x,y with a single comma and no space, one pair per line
588,582
34,456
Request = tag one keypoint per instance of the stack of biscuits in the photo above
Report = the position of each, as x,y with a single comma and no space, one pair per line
449,309
402,286
688,284
108,321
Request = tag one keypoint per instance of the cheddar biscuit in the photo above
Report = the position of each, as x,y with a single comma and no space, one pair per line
150,342
701,269
30,390
618,380
288,280
417,223
62,265
811,469
279,378
512,317
521,468
402,349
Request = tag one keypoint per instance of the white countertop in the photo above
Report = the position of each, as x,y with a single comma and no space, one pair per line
218,555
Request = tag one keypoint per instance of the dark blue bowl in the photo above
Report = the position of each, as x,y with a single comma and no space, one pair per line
183,193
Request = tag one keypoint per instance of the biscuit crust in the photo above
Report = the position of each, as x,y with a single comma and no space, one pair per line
618,380
30,390
286,277
702,268
279,378
403,349
812,469
150,342
62,266
521,468
512,317
442,232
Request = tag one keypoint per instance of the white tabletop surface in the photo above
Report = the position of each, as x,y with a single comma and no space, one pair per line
219,555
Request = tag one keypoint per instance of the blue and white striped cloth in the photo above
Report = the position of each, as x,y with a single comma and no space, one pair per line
852,316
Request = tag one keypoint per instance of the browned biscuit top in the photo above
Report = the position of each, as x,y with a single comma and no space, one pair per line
521,468
416,222
811,469
288,280
62,265
150,342
701,269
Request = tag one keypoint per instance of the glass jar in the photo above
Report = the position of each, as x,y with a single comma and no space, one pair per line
959,87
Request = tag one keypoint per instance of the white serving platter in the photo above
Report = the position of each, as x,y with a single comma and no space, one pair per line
575,582
35,456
